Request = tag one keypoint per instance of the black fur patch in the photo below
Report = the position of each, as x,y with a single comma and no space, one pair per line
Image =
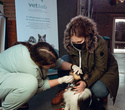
96,105
101,54
87,105
84,104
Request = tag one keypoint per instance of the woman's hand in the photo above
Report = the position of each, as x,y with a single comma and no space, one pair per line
80,86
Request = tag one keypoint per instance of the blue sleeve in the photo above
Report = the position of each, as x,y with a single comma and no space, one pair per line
58,64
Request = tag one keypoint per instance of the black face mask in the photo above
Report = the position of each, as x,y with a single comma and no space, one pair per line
78,46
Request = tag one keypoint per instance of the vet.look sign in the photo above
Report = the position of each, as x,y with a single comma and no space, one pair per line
37,21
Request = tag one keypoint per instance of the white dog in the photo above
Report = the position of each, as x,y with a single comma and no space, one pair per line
73,101
84,101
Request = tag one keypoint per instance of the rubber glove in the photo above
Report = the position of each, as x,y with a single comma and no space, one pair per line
66,79
76,69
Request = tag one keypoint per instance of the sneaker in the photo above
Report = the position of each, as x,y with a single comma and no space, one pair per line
24,106
58,98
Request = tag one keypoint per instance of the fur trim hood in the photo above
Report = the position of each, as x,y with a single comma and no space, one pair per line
90,32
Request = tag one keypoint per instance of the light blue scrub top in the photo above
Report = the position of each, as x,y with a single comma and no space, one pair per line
17,59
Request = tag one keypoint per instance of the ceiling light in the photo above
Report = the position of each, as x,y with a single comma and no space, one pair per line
121,1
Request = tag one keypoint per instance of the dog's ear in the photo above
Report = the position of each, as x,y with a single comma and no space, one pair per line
84,104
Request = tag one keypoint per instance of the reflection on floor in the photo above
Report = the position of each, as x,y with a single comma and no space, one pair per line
120,100
42,101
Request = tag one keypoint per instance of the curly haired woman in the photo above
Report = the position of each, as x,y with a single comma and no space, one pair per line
88,50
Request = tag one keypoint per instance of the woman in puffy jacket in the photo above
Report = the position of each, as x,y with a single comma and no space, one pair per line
88,50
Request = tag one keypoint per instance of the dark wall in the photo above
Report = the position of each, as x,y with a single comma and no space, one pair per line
103,15
66,10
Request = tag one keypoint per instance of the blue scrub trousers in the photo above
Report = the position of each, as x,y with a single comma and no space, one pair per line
16,89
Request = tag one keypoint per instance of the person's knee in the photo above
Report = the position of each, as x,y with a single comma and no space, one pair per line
24,86
99,92
99,89
28,88
27,84
31,84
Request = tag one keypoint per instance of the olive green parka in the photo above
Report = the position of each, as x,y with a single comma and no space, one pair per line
94,58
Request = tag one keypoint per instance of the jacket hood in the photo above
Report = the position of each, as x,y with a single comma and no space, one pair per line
90,32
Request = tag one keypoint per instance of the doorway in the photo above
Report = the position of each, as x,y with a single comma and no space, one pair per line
118,38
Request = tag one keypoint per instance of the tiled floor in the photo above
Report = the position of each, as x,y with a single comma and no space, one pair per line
120,100
42,101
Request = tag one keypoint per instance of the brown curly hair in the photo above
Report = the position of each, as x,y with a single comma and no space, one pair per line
81,26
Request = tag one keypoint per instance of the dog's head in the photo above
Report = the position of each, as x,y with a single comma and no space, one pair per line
79,76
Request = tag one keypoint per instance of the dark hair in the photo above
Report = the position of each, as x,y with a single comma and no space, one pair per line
42,53
77,29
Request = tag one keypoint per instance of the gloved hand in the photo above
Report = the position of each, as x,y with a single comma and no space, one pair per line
66,79
76,69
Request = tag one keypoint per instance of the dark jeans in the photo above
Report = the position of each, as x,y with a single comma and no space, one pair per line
99,89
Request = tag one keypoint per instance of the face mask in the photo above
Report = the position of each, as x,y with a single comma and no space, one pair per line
78,46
